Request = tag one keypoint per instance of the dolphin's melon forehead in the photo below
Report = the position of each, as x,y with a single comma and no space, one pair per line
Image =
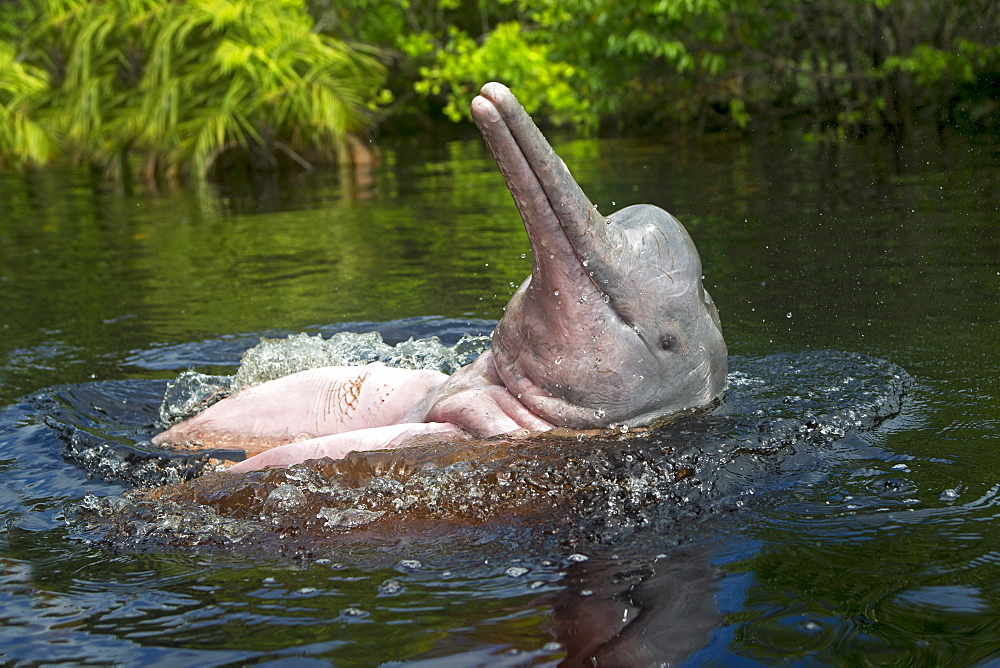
655,251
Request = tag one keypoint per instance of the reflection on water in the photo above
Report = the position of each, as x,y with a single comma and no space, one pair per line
882,543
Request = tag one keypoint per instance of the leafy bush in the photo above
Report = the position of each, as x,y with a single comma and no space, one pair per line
177,84
24,139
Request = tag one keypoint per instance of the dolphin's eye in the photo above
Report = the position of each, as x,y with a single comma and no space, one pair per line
668,342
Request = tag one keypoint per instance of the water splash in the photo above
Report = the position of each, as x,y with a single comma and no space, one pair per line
580,489
193,392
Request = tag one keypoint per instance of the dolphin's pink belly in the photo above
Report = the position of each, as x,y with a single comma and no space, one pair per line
317,402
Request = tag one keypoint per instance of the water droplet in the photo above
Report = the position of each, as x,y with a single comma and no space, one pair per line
599,414
556,293
582,299
586,263
524,255
353,612
558,360
624,429
409,565
576,557
390,588
788,315
607,299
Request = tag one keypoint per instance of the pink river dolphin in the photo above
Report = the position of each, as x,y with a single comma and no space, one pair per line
612,328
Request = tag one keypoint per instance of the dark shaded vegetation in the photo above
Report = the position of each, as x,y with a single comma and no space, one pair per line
167,88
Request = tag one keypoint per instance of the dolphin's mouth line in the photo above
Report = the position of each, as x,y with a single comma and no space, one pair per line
584,266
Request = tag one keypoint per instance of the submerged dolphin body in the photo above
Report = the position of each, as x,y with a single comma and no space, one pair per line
612,327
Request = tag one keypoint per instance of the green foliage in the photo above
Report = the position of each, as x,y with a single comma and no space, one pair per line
442,51
643,61
506,53
853,64
24,140
175,86
571,63
842,63
178,84
14,16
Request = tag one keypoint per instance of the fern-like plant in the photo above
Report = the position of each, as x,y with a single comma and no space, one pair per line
24,139
176,85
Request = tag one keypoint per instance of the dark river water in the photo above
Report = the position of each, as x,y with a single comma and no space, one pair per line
842,507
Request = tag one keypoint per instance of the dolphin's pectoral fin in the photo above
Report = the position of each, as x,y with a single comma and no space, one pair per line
337,446
305,405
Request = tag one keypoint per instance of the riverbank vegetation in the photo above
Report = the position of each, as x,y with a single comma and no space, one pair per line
166,88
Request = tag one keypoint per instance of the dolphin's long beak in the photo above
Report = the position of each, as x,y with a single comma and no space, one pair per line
613,324
560,219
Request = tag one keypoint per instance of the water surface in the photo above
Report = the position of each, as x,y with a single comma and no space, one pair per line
881,546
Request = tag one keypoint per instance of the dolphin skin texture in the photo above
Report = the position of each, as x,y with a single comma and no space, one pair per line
613,327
